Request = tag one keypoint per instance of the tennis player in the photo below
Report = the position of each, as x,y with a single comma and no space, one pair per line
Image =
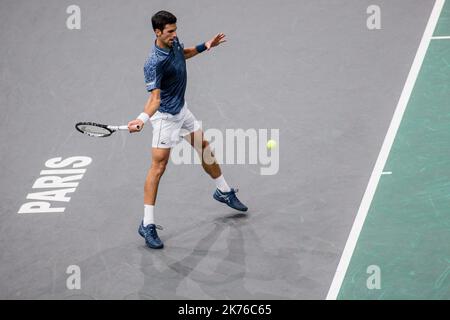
167,110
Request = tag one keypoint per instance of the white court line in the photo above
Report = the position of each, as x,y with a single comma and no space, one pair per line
440,38
385,149
387,172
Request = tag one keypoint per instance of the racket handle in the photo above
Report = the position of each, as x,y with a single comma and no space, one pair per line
125,127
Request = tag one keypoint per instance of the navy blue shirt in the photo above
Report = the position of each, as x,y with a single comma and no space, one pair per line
165,69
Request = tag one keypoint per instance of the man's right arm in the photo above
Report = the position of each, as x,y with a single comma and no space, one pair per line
153,102
152,105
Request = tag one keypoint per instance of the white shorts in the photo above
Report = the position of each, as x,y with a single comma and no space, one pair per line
169,129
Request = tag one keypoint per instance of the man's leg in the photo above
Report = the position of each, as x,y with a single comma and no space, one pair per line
160,157
147,229
223,192
209,163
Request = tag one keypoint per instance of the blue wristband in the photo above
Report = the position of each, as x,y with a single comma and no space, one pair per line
200,48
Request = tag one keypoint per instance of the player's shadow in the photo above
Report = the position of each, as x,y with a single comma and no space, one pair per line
205,272
227,269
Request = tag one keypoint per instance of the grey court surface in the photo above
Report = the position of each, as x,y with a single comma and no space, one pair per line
311,69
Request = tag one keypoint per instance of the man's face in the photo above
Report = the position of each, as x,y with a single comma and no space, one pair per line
168,34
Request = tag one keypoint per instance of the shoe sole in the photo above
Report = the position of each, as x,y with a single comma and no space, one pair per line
152,247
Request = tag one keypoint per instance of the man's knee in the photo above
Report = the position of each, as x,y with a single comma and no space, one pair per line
160,158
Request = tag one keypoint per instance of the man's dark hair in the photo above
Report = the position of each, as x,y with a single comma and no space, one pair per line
161,18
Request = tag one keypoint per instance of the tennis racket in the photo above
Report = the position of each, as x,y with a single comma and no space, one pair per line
98,130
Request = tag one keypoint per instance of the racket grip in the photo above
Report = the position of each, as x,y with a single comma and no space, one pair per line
126,127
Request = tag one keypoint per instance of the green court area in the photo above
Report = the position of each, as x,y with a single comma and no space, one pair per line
406,233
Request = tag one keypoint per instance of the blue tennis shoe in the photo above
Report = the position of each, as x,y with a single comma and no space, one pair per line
150,235
230,199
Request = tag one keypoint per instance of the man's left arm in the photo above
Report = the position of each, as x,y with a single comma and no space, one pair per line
214,42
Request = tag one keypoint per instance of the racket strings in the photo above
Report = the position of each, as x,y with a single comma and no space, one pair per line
94,130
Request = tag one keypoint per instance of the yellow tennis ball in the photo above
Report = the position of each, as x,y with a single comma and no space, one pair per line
271,144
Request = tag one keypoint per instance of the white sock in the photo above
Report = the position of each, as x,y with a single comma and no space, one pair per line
148,214
222,185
